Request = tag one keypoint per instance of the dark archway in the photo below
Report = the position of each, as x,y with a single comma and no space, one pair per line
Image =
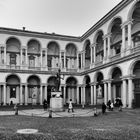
71,92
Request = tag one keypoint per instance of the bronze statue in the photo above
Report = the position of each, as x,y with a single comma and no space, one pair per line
58,80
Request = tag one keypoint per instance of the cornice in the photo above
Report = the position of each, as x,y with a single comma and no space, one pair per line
27,33
105,18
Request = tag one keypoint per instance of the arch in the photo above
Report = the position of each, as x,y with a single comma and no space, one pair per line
130,13
54,43
112,69
72,80
37,78
85,43
97,34
35,39
13,44
72,52
12,79
96,75
85,78
71,77
72,44
112,22
13,37
34,46
51,81
132,65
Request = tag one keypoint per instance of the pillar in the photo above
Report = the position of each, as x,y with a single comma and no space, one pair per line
46,58
41,58
109,90
94,48
26,55
77,95
21,57
64,60
108,40
21,97
123,38
45,95
77,60
60,63
4,94
91,49
105,93
84,58
64,97
0,55
130,92
81,60
129,35
41,95
95,95
104,48
124,92
26,94
92,89
5,57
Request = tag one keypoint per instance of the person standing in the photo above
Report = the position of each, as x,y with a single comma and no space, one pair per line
70,106
103,108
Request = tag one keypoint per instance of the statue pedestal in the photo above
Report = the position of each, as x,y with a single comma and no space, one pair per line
56,102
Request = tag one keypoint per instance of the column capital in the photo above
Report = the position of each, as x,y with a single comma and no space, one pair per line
107,35
109,80
127,77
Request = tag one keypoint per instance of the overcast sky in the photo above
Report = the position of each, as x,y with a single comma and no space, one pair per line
66,17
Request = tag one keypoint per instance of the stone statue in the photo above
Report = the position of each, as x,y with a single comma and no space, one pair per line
58,79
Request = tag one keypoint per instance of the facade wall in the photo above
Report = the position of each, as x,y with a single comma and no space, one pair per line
103,68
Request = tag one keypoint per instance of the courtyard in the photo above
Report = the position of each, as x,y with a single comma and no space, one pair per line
113,125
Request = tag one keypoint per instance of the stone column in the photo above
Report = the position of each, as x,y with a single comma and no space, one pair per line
109,90
41,58
21,56
26,55
60,63
130,92
46,58
81,60
108,42
94,48
64,60
77,60
91,49
26,94
129,34
64,97
124,92
0,55
77,95
123,39
92,94
40,94
5,57
84,58
21,97
84,97
4,94
104,48
105,92
45,95
95,94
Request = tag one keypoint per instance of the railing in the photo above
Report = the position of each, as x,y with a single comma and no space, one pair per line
98,63
71,70
12,67
34,68
115,57
87,68
52,69
136,48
